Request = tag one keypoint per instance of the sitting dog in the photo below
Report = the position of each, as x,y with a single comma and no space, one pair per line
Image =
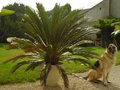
103,66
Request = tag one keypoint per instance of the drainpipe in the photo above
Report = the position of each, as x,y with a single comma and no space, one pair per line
110,8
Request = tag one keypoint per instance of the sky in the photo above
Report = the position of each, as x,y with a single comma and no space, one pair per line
49,4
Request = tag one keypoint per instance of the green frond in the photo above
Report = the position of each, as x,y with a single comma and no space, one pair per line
81,42
18,57
83,61
31,62
20,42
115,33
44,74
34,26
45,23
85,53
34,64
64,76
81,55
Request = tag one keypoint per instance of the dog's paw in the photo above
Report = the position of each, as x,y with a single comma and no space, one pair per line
108,82
105,84
97,81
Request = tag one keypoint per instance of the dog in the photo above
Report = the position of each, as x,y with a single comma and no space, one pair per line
102,67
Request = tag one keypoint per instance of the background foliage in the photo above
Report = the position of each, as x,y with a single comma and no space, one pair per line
10,25
106,28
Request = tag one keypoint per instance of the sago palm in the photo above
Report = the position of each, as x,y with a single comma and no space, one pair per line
54,36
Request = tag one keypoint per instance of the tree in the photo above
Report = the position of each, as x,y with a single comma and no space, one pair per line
106,28
54,37
3,13
10,25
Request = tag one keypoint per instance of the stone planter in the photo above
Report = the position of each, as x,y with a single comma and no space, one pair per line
53,76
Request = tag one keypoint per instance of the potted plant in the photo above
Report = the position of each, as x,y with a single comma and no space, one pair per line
53,37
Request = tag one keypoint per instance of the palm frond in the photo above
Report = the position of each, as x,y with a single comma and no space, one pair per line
25,44
44,24
34,64
81,42
85,53
82,60
44,74
34,26
18,57
31,62
115,33
64,76
66,28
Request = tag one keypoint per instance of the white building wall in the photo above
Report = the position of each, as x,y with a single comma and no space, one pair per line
98,12
115,8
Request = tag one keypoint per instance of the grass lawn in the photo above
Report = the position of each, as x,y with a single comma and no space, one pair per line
20,76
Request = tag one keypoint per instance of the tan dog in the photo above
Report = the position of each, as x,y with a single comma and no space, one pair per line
103,66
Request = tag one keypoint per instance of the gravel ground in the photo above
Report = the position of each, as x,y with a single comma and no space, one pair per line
75,83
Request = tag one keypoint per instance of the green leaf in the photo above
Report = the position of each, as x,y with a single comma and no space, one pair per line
18,57
6,12
64,76
115,33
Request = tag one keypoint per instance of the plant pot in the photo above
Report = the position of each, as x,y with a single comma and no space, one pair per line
53,77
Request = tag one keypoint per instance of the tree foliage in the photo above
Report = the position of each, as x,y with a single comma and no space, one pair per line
107,26
6,12
10,25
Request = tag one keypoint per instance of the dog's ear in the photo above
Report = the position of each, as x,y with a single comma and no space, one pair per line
96,65
107,45
114,42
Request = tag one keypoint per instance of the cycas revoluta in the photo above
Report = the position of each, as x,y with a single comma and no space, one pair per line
54,36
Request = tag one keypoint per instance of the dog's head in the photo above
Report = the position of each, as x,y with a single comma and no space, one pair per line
111,49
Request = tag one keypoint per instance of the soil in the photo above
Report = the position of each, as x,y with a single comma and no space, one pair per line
76,83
